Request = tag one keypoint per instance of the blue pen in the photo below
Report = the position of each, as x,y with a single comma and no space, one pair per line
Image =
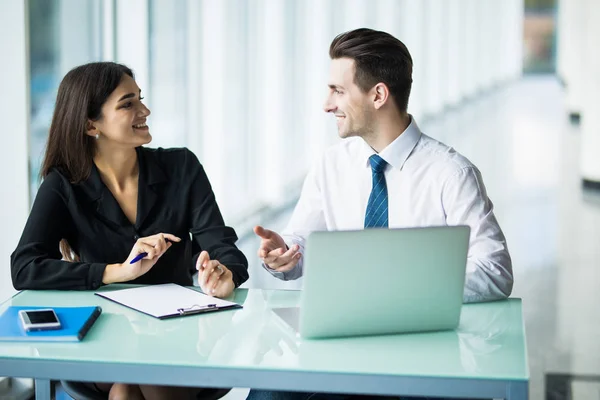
142,255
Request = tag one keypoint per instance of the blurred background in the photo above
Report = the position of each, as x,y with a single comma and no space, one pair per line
514,85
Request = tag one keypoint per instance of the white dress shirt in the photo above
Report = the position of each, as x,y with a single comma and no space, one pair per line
428,184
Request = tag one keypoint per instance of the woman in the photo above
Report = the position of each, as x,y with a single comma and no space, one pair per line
105,199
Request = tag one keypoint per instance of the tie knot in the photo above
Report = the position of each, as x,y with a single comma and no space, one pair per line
377,163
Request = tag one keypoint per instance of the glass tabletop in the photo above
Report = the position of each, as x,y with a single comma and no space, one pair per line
488,344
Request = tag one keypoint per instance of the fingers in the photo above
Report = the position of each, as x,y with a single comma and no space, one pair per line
270,241
203,258
262,232
224,285
263,252
162,238
289,266
279,258
215,279
281,253
141,247
269,250
214,276
172,238
210,270
159,243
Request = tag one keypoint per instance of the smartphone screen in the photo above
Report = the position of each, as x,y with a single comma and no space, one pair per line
41,317
38,320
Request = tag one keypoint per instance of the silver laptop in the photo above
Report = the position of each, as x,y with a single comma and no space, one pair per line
381,281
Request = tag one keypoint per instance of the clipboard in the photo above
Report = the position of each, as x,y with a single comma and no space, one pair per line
167,300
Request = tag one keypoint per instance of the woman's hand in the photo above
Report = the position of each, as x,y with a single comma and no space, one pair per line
155,246
214,278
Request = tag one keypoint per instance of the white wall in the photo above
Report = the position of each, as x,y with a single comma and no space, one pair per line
590,118
132,44
571,46
14,114
77,40
578,63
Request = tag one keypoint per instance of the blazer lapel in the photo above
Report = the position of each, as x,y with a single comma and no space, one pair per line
151,176
106,206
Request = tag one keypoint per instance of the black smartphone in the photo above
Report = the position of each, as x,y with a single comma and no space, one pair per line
39,320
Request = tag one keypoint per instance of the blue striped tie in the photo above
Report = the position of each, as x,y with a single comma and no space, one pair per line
377,207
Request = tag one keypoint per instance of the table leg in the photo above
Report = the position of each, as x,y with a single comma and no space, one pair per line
43,389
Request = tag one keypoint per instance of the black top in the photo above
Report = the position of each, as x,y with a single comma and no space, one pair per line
174,196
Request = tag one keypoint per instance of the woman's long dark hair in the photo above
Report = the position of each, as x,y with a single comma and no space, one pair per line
81,95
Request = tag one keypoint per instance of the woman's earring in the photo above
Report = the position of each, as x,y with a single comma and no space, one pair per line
97,136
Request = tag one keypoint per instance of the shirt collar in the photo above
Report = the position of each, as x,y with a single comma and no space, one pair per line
150,173
150,167
397,152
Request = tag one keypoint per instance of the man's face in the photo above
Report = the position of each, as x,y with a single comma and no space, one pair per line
352,108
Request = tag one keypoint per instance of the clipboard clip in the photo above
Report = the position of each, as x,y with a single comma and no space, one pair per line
195,309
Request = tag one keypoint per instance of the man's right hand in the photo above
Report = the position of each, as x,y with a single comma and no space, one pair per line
274,252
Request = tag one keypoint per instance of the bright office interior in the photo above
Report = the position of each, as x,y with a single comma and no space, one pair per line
510,84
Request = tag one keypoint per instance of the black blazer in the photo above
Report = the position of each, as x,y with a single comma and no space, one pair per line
174,196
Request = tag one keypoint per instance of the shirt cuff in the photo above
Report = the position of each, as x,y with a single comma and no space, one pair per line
290,275
237,273
94,278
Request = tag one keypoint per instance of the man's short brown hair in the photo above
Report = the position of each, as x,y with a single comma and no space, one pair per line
378,57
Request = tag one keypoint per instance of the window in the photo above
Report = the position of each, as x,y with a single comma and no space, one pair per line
62,35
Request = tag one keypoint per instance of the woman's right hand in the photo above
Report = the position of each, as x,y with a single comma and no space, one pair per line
154,245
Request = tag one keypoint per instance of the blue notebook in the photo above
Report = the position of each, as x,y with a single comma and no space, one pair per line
75,324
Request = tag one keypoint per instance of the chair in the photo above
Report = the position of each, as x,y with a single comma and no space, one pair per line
80,391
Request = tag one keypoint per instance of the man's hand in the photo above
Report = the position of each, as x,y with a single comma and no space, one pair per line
274,252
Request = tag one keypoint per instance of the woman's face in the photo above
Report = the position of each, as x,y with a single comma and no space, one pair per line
123,119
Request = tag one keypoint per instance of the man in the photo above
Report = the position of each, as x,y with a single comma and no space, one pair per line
386,173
